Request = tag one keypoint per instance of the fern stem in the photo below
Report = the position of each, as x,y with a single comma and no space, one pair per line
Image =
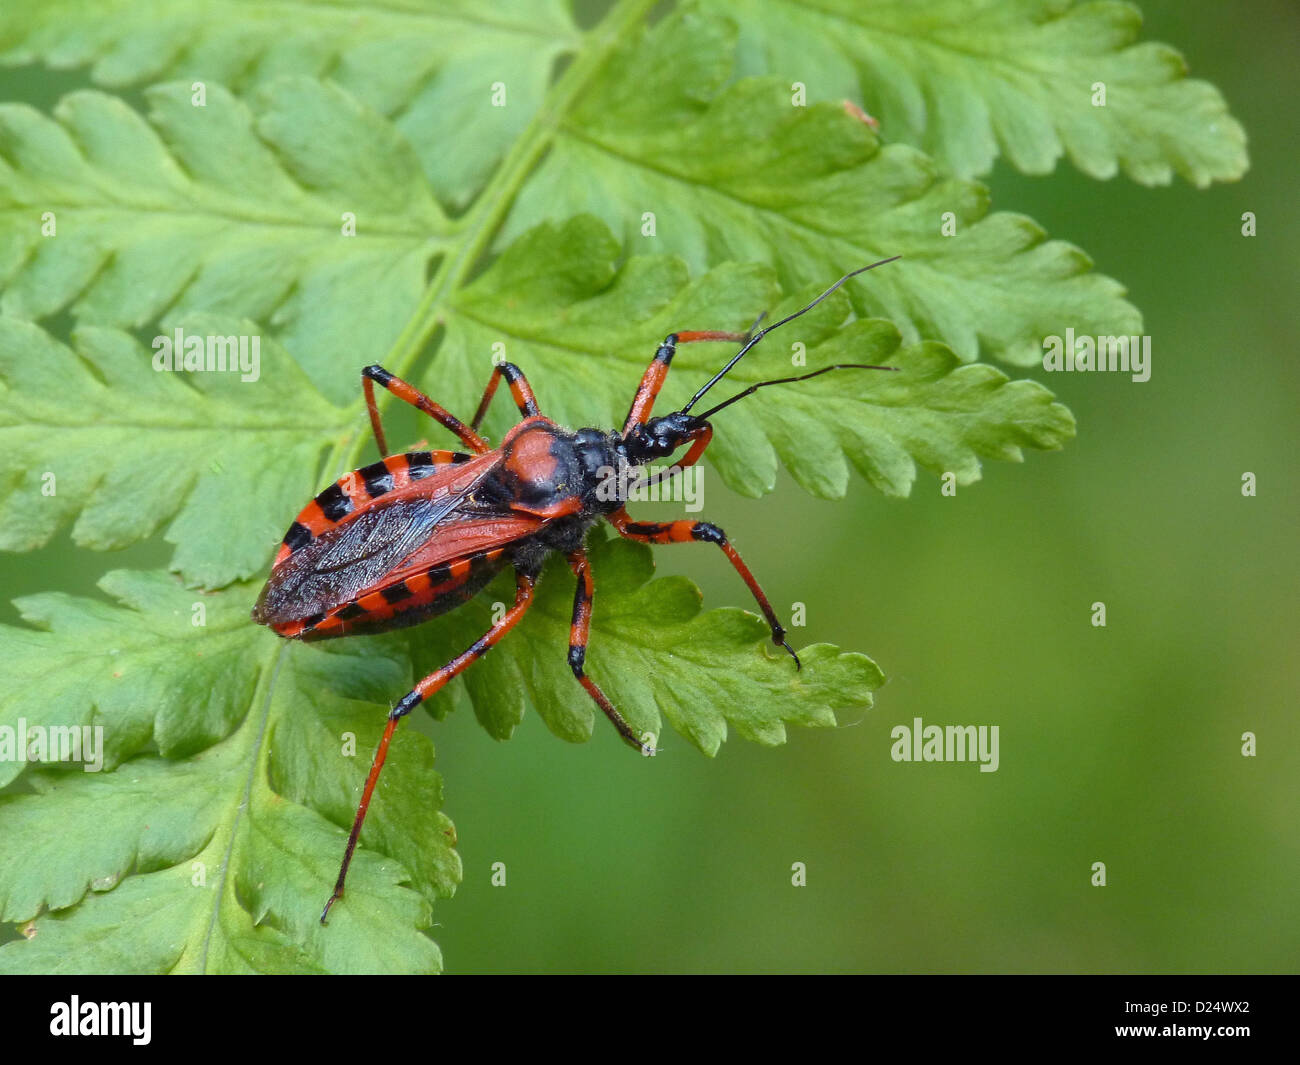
481,223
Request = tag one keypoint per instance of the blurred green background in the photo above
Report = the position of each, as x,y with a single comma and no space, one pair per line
1120,744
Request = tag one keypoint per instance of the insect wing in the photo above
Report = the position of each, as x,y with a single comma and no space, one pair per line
336,566
466,539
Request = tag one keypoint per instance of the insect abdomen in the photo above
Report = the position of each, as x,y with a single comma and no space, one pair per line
405,602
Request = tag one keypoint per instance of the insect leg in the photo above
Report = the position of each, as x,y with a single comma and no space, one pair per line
417,695
578,633
412,395
681,532
520,391
653,378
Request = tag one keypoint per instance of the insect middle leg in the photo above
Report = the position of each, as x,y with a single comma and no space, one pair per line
578,633
425,688
686,531
408,393
520,391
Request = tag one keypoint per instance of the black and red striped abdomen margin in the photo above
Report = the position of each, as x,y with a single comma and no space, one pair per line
356,490
406,601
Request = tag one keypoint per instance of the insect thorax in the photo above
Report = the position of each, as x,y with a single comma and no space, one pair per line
602,463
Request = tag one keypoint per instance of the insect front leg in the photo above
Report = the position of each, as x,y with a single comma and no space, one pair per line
520,391
699,440
425,688
578,633
408,393
682,532
653,378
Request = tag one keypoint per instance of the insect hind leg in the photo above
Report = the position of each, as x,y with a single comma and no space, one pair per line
428,686
520,391
408,393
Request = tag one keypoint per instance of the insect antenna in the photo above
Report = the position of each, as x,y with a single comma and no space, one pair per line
754,338
789,380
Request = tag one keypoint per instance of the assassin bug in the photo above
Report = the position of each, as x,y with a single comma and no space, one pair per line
420,532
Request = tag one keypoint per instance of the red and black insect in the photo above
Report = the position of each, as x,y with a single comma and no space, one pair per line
420,532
